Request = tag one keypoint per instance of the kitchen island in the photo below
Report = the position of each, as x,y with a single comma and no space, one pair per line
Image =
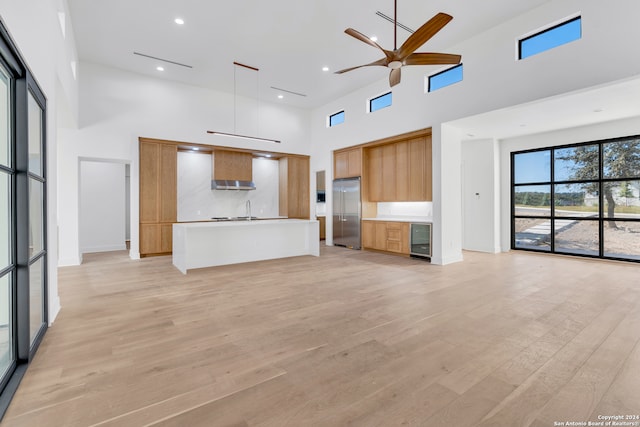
209,244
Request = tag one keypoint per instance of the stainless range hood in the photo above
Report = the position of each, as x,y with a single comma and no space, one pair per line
224,184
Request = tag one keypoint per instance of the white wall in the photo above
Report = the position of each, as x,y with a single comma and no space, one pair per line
118,107
618,128
412,209
197,201
35,28
102,206
481,195
493,79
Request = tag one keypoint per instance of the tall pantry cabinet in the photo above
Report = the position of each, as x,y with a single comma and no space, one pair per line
158,196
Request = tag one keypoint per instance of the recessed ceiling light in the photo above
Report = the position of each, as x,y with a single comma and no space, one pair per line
325,68
195,148
179,21
280,96
598,110
374,38
159,68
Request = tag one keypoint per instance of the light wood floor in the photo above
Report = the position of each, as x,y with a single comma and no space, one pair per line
349,338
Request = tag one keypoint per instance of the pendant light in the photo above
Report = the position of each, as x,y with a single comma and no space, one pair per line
235,95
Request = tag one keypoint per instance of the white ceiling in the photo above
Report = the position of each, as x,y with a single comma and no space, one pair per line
613,101
288,40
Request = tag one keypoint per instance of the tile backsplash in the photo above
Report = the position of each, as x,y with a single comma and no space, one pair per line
197,201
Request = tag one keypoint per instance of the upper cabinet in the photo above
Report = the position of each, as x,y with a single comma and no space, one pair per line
232,165
347,163
399,171
420,169
396,169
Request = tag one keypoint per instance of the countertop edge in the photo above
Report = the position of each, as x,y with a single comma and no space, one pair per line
400,219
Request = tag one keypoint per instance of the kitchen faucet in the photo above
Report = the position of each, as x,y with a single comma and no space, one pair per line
247,207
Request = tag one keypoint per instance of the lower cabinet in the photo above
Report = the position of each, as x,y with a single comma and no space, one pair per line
323,227
388,236
156,239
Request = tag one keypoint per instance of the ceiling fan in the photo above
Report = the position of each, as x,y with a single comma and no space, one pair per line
397,58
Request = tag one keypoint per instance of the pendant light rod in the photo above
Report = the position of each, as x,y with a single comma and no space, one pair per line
246,66
235,135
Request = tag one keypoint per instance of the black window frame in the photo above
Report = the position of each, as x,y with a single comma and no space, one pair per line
331,116
546,30
601,219
439,73
375,98
23,83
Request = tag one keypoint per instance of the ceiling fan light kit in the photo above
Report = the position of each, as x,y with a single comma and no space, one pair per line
405,55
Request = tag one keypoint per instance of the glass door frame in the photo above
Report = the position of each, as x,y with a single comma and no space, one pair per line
23,85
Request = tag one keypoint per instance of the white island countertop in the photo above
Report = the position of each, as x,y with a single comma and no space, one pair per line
213,243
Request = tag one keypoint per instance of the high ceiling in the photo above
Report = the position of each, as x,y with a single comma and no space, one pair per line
288,40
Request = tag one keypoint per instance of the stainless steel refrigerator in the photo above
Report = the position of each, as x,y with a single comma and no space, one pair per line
346,212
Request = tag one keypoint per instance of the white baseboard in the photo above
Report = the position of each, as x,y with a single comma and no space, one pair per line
68,262
106,248
54,309
446,260
484,249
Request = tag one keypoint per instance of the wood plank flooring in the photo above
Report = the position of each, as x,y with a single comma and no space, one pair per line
350,338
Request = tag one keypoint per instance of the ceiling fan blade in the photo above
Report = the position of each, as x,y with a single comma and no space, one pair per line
394,77
432,59
424,33
358,35
382,62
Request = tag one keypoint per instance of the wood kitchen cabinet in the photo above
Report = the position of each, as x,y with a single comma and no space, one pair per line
389,172
399,171
347,163
158,196
420,171
388,236
294,186
398,237
368,234
232,165
403,175
373,173
322,220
